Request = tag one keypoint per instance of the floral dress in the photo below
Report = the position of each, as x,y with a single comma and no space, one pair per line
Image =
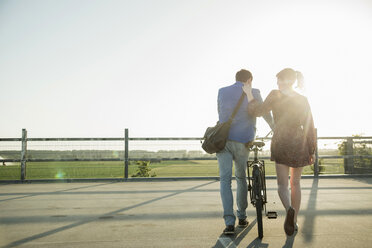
294,139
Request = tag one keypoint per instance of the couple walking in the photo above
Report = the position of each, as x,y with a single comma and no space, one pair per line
292,146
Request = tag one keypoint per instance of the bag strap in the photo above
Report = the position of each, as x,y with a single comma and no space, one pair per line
237,107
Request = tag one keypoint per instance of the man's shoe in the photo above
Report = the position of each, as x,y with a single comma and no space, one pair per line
289,225
229,230
243,223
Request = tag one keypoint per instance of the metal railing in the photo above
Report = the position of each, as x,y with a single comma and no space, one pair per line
348,158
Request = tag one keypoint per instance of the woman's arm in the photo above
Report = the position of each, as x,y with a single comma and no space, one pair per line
309,129
255,107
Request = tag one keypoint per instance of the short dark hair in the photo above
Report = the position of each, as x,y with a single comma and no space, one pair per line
243,75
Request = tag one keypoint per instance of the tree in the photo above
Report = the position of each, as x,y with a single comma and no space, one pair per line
360,148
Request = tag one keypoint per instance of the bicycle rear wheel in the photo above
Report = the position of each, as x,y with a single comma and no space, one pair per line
259,202
259,218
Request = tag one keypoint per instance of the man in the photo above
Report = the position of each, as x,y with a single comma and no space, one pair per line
242,131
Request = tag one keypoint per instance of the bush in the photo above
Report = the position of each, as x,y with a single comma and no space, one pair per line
321,167
143,169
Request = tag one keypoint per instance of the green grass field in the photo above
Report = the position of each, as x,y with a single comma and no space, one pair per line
176,168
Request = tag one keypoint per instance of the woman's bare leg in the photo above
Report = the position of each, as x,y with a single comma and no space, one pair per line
296,190
282,173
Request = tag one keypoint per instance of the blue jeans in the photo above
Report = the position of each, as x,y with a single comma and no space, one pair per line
239,153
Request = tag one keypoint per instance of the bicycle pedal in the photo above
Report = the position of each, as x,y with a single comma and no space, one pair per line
272,215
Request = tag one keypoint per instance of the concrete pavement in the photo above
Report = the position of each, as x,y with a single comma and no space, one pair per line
334,213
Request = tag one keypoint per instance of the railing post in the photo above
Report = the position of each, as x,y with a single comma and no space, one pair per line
316,162
23,154
126,159
349,160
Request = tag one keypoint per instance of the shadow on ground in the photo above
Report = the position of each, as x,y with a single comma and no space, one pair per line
79,223
224,241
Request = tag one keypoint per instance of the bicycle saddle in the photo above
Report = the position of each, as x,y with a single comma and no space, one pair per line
258,144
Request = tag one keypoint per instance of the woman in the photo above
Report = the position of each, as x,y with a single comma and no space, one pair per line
294,140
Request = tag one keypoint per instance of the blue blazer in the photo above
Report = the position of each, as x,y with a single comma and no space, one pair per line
243,127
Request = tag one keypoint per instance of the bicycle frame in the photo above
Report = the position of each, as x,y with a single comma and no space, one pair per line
257,190
257,165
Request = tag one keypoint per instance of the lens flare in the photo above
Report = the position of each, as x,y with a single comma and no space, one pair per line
60,174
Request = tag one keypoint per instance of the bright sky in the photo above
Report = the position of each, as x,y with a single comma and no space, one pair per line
74,68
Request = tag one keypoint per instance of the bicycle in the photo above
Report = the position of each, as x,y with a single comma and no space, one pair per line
257,185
